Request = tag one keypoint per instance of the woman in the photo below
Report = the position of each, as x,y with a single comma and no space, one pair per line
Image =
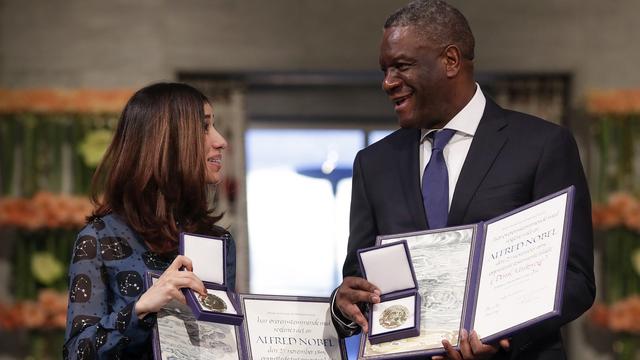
151,185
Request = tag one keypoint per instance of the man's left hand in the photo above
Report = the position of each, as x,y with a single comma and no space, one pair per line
471,348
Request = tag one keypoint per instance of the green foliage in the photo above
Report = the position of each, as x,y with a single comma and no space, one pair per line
56,153
615,164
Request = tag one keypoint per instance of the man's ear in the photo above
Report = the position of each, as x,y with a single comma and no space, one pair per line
452,58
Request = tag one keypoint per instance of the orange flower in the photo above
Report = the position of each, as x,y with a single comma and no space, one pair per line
55,304
625,315
45,210
10,318
52,300
33,316
623,203
63,101
604,217
599,315
613,101
50,311
58,321
632,220
622,316
5,321
621,209
80,209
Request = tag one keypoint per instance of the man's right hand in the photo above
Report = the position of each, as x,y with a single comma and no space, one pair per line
352,291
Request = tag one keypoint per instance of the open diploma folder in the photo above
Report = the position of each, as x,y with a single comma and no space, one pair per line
495,277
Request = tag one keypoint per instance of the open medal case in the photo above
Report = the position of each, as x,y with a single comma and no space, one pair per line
397,316
208,255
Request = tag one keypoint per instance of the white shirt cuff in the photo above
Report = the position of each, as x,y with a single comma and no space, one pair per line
339,317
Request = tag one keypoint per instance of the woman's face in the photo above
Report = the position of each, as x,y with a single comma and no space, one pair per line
214,144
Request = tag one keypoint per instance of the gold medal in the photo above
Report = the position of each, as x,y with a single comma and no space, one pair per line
213,303
394,316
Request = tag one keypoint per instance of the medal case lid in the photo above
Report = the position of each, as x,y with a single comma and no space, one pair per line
389,267
208,256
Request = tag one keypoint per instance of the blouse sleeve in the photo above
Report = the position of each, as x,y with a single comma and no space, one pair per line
95,330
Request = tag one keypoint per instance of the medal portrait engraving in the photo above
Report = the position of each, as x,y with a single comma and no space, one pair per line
394,316
212,302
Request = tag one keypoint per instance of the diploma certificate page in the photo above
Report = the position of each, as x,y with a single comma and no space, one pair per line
520,265
283,329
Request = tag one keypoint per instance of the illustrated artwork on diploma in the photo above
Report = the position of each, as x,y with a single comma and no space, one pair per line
177,334
441,284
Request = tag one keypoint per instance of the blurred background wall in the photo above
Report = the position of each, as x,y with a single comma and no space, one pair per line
120,43
307,65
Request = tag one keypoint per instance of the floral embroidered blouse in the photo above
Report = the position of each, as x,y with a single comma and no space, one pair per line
106,275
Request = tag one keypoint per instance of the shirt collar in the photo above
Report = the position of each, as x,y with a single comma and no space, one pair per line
466,121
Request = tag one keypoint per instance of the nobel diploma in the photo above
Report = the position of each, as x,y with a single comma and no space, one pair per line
495,277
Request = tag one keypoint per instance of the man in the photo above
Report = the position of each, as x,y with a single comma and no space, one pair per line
496,160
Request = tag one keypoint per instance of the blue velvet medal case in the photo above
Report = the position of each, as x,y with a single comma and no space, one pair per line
208,255
397,316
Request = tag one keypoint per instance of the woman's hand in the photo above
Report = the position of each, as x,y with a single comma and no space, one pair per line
168,286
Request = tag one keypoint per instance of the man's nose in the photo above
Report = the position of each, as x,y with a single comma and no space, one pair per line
390,82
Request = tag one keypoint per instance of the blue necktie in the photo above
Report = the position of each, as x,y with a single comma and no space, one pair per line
435,182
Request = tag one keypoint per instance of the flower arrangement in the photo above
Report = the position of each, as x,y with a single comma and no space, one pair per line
621,210
56,101
45,226
50,143
618,101
615,130
48,312
618,224
45,210
621,316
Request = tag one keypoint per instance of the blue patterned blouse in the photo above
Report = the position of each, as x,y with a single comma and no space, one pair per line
106,279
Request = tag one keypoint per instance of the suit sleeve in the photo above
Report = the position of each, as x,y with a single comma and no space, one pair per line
362,225
559,167
362,234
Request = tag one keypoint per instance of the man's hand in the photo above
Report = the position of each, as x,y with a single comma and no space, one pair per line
352,291
471,348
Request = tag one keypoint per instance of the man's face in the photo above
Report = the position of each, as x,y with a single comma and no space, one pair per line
414,78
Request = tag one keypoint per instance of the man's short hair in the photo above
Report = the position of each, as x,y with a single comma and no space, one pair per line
439,22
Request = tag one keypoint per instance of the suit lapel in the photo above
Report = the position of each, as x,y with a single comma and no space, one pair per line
485,147
407,148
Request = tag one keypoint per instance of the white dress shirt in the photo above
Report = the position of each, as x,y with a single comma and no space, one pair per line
455,152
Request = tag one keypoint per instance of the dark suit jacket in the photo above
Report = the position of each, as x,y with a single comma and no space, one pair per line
513,160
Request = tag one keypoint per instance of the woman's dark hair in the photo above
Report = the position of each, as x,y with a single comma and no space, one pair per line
153,174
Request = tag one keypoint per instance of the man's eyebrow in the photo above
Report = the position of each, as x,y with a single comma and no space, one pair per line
403,57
